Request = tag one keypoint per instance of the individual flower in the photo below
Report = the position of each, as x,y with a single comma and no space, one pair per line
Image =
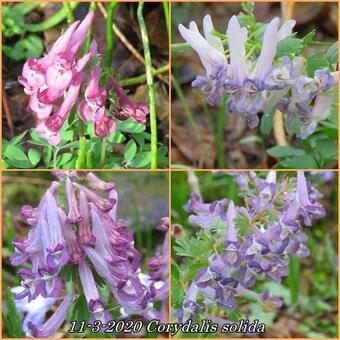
127,108
92,108
205,214
53,323
211,53
34,311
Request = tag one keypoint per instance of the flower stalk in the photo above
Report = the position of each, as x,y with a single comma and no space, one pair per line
109,35
151,88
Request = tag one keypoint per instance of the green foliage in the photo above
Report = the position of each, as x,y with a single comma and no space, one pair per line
79,309
332,53
314,62
266,124
285,151
288,46
201,245
29,47
13,25
177,293
12,21
70,153
10,316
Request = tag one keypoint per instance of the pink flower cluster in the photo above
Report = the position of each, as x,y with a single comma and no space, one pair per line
54,83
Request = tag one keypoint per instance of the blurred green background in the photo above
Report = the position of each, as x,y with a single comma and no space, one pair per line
310,292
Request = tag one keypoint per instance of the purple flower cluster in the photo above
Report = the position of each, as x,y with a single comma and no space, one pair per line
260,84
88,234
274,215
54,82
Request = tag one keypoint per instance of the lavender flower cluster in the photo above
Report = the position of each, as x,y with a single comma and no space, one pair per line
88,235
54,82
275,213
258,84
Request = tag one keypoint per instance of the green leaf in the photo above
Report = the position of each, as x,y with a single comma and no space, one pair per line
12,21
34,156
177,293
293,279
251,139
29,47
258,313
266,124
37,140
69,273
47,156
300,162
52,21
26,7
327,148
67,135
64,158
308,38
200,245
15,153
116,138
288,46
260,29
71,145
130,151
284,151
332,53
89,160
80,310
130,125
17,139
142,160
242,222
248,7
294,126
315,62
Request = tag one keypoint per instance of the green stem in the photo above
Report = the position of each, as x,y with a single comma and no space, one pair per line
251,51
69,12
92,7
82,155
55,153
25,8
166,15
142,78
103,153
151,89
109,35
82,146
219,136
52,21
